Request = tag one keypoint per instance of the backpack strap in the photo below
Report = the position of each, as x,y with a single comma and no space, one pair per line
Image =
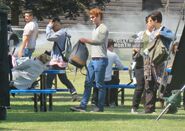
60,50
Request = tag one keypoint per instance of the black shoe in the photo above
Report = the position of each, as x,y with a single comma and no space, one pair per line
77,109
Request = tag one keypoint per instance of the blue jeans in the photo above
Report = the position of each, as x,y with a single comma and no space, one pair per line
28,52
95,73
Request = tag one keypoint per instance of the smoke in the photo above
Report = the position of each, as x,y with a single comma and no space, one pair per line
120,27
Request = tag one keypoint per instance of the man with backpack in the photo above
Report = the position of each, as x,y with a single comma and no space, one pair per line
57,34
98,63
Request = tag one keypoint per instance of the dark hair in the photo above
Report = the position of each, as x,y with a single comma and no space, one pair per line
54,19
156,15
30,12
146,18
110,43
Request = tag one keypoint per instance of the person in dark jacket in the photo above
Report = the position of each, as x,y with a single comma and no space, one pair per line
153,72
143,38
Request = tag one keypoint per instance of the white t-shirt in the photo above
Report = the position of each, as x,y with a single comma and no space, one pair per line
113,58
31,29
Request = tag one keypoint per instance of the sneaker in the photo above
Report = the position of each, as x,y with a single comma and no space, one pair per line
148,112
112,105
75,97
96,109
134,111
77,109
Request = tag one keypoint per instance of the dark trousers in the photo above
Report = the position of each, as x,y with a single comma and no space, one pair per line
139,90
63,78
111,93
150,95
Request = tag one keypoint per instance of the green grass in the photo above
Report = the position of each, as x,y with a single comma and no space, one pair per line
22,116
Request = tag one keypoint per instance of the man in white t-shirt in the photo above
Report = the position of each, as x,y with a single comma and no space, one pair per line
29,37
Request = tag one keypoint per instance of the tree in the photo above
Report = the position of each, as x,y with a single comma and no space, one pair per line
45,8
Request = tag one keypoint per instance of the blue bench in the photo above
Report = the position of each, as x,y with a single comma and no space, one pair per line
130,86
121,87
42,92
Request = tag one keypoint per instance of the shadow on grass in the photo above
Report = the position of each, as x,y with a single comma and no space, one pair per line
23,112
62,113
5,129
73,116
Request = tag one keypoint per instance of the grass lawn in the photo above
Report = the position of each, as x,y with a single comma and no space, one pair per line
22,116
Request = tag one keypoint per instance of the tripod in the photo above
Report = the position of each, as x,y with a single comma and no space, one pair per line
171,102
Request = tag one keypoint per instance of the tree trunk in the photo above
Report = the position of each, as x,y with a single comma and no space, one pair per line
15,13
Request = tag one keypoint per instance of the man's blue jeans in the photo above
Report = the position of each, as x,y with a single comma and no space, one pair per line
95,73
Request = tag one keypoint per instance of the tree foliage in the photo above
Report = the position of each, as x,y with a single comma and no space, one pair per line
45,8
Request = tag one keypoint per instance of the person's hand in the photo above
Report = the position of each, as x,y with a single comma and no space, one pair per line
146,51
51,23
157,35
83,40
169,66
135,50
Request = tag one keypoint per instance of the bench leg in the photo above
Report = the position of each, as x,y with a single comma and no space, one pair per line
43,83
50,102
108,97
116,97
122,96
35,103
43,107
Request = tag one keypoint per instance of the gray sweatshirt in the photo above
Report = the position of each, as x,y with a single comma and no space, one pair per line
58,37
100,36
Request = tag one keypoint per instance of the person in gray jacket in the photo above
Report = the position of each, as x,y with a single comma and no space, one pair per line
57,34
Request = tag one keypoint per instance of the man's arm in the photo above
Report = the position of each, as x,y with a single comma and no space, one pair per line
23,45
100,37
117,62
51,35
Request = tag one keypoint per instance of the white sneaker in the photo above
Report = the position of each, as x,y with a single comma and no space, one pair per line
134,111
